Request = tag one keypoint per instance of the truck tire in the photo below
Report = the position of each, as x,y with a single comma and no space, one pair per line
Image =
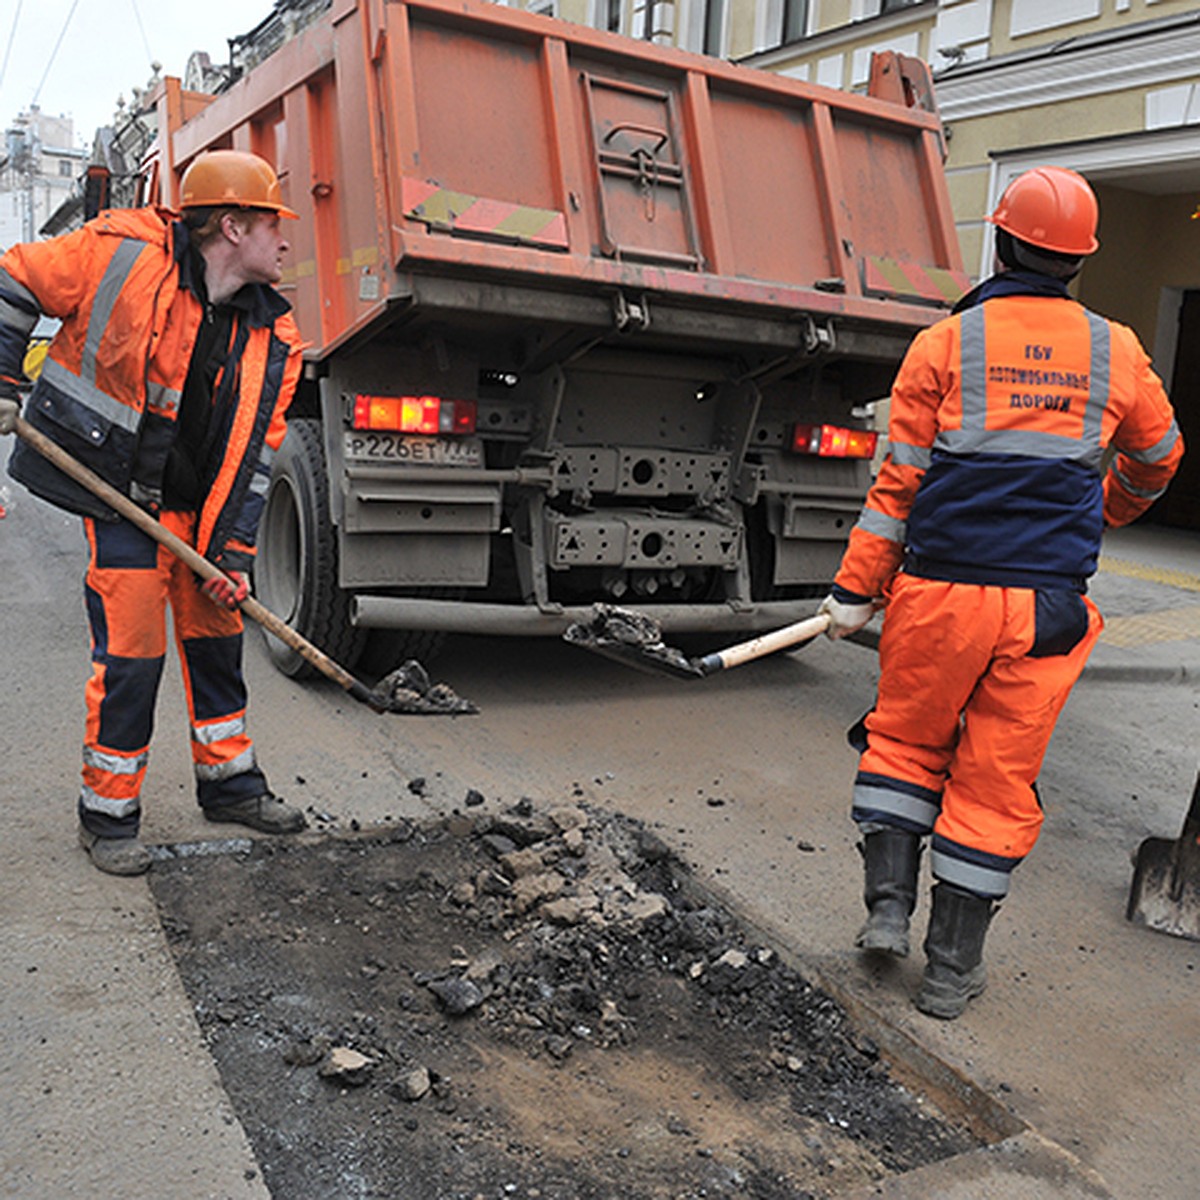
386,649
297,569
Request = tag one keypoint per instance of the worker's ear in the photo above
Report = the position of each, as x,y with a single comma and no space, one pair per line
234,226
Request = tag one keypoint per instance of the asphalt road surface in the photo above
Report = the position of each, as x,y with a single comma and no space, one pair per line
1089,1029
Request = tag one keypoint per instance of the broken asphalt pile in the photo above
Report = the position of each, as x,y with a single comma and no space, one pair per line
524,1003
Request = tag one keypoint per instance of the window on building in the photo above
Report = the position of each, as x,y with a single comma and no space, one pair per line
612,16
648,19
714,27
795,20
66,167
887,6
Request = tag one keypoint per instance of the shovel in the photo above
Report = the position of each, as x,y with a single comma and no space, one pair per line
1166,880
635,639
405,690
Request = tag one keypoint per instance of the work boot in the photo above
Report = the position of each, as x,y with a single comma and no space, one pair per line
954,972
115,856
266,813
891,858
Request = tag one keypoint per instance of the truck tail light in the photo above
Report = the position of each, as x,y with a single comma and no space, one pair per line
832,441
414,414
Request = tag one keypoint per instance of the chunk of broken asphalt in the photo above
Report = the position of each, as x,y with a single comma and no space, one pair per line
344,1065
457,996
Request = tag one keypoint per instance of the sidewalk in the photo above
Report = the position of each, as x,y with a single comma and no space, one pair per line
1148,588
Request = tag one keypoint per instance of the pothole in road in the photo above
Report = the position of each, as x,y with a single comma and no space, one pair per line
527,1004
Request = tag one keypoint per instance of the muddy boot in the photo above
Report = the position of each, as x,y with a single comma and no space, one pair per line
115,856
266,813
954,972
891,858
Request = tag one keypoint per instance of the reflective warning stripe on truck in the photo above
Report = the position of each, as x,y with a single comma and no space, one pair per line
909,281
443,208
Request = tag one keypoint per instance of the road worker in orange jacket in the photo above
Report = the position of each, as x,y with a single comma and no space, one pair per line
169,377
979,535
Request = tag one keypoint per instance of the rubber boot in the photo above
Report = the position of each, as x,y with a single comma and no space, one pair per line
891,858
954,971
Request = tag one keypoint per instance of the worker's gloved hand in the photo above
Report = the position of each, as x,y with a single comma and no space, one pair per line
847,613
227,592
10,405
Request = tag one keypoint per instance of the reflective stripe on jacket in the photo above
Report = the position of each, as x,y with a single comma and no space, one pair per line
110,388
1000,418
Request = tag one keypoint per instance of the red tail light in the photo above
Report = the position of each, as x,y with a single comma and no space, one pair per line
414,414
832,441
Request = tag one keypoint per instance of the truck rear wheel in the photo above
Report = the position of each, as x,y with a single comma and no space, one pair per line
297,568
386,649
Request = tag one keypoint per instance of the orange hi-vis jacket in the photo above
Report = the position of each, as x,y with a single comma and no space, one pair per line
110,389
1000,419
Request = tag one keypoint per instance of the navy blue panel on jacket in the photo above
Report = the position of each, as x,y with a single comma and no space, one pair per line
1006,520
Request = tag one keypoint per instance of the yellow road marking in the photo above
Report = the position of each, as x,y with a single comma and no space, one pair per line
1132,570
1166,625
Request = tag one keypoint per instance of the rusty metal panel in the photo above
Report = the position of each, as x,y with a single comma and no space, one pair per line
885,187
481,112
778,225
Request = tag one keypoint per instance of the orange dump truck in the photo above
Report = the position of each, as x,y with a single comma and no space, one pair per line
591,319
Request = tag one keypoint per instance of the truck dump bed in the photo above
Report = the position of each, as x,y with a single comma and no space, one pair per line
455,139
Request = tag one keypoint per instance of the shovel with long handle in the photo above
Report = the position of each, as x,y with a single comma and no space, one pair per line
1165,894
382,698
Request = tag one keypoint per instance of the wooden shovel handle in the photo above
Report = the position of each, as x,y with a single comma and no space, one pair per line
192,558
767,643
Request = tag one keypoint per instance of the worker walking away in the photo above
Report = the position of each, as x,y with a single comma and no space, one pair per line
169,378
979,535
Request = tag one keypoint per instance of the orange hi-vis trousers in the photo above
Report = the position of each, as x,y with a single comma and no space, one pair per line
972,680
129,583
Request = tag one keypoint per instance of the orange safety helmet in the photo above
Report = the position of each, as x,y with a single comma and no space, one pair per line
233,178
1051,208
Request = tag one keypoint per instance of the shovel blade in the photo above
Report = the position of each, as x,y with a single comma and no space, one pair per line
630,637
1165,895
657,660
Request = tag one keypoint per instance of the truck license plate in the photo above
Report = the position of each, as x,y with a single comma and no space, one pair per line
415,449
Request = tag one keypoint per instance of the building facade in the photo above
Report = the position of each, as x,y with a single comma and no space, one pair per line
38,169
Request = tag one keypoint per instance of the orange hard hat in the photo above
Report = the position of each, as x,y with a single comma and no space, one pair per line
1051,208
233,178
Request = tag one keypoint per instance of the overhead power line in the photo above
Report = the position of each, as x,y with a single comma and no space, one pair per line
50,62
12,33
142,30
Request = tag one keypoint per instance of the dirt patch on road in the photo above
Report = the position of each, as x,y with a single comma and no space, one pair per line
528,1004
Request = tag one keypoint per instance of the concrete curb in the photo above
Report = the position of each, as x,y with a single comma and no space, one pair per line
1024,1167
1131,673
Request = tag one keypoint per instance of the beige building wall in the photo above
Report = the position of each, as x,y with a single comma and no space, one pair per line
1019,24
973,143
